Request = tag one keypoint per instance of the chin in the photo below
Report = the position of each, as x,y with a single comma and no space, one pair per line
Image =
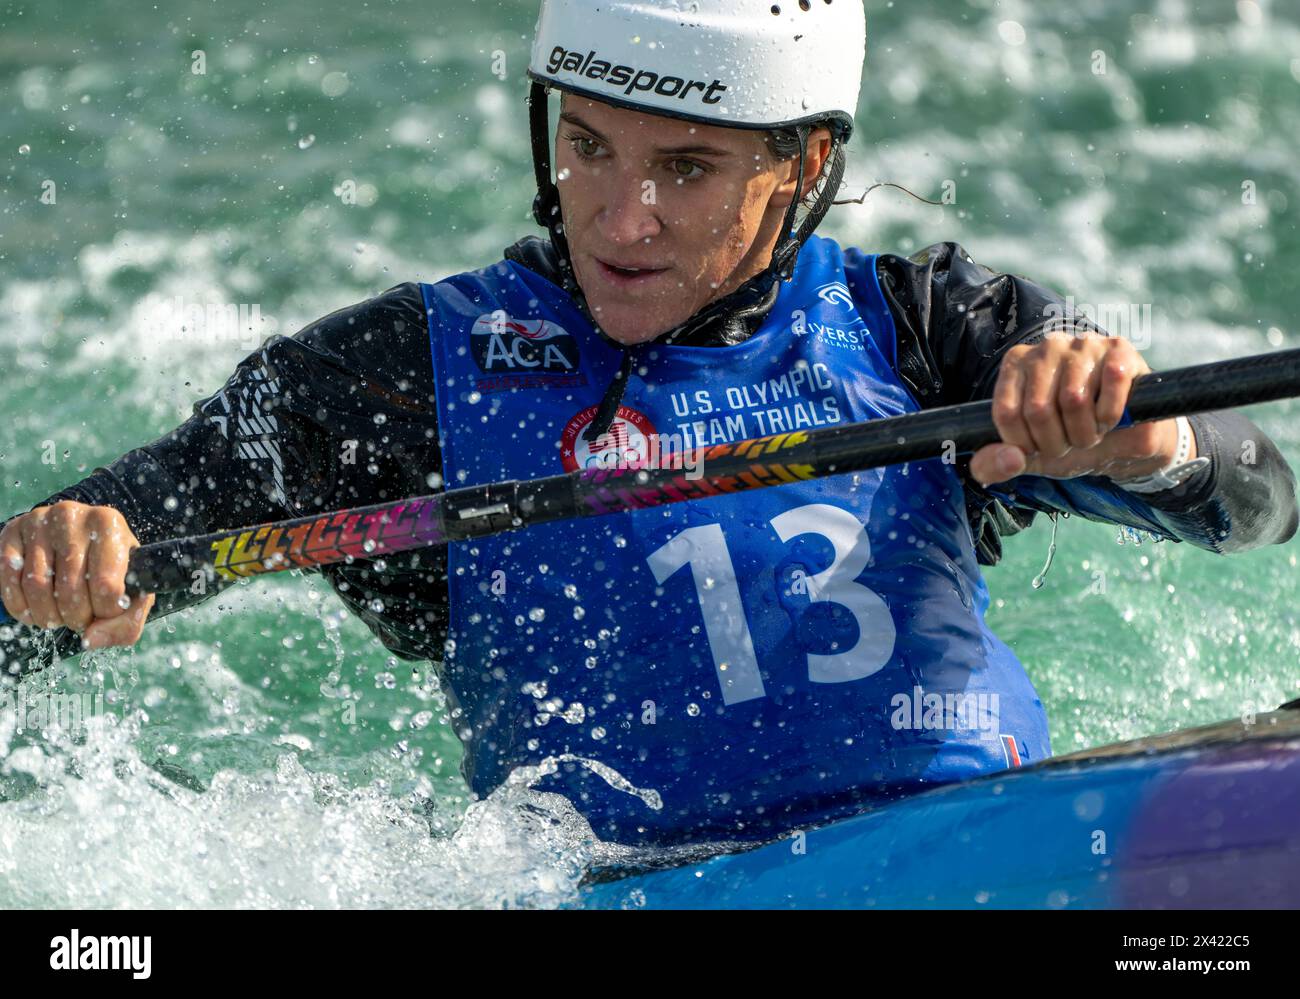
630,327
631,337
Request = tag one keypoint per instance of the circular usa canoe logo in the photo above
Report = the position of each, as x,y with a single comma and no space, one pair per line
624,444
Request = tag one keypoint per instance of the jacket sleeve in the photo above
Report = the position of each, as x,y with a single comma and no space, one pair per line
222,467
955,321
337,415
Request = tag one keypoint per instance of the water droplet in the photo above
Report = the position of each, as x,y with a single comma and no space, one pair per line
24,149
1012,32
306,141
1038,580
335,84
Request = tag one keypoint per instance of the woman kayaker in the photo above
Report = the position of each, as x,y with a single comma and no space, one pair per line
724,669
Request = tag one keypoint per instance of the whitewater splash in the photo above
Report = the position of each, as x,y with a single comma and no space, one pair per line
87,821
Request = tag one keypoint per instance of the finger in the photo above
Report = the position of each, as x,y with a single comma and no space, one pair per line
124,629
38,573
1041,411
11,574
997,463
106,567
1076,398
1008,415
1118,369
67,541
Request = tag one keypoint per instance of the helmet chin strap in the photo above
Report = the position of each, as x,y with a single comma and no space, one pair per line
546,206
751,296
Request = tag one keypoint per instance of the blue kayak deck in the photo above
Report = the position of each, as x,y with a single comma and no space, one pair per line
1205,818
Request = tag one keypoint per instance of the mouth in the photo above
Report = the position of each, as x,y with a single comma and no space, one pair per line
626,276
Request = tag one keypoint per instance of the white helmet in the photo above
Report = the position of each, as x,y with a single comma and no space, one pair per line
742,63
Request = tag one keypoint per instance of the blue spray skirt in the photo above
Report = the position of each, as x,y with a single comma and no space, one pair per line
1198,819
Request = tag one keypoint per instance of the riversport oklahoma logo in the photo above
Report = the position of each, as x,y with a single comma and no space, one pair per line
522,346
586,65
852,335
626,443
852,338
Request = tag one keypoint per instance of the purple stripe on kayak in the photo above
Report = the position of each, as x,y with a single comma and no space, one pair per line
1223,833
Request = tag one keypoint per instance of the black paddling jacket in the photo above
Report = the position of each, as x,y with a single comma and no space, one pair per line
276,430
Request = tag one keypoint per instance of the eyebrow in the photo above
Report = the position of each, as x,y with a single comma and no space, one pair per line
573,119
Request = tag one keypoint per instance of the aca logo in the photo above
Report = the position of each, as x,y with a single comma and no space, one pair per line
626,444
521,346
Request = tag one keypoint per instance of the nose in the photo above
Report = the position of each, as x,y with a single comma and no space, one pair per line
630,212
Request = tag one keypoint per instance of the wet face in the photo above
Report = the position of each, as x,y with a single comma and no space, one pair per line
664,216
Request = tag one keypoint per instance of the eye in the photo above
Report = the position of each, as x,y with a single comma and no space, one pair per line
687,170
585,146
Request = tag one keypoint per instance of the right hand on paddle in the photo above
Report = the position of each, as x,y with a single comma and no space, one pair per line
65,566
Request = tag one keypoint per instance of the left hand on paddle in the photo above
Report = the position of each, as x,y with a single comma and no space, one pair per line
1056,405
